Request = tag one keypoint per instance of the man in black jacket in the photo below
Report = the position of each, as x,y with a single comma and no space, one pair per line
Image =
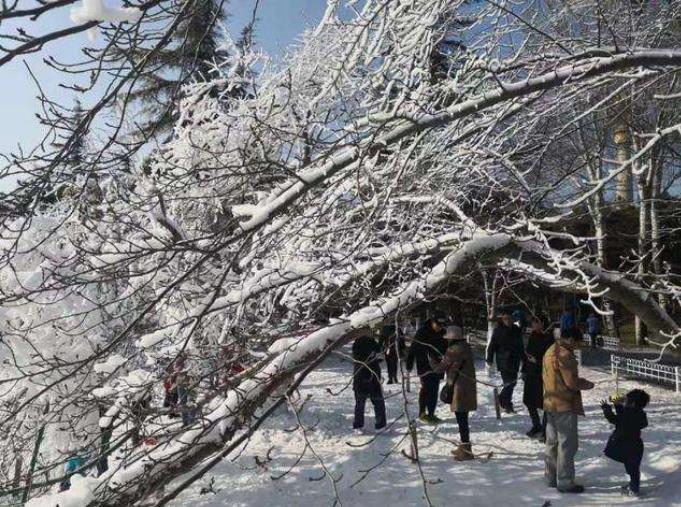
428,342
366,382
507,345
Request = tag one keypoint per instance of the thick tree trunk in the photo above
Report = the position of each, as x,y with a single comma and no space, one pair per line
642,245
655,229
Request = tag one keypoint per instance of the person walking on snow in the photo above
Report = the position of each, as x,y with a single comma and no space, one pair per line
593,326
393,346
568,321
458,364
366,382
428,343
533,387
625,444
562,404
176,386
507,347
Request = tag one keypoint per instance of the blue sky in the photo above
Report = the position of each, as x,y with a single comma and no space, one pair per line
280,22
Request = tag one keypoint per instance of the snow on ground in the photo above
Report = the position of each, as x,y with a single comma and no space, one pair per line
513,477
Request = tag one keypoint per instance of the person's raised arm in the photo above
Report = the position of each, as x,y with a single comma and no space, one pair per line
608,413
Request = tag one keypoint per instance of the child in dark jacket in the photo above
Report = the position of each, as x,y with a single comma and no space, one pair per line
625,444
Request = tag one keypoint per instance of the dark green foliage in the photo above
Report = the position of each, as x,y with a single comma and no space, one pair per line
191,56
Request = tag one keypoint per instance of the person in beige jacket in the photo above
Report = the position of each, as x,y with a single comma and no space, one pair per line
458,364
562,405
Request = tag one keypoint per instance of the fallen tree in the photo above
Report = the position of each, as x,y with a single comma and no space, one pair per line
352,183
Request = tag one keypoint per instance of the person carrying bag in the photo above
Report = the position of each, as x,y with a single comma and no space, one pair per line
460,390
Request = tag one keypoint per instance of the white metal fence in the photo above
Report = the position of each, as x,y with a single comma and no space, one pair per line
608,342
661,373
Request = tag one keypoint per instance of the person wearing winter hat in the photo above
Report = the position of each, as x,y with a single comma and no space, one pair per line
562,405
458,364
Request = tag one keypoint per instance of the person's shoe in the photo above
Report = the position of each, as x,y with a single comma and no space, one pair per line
575,488
463,453
435,419
542,437
534,433
358,431
424,418
627,491
552,484
508,410
380,427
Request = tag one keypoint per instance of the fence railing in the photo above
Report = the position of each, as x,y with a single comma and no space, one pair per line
608,342
476,336
661,373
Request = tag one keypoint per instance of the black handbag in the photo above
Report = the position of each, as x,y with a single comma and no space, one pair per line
447,393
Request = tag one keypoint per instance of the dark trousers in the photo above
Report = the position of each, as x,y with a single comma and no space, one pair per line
185,409
376,397
509,378
595,340
391,362
633,468
430,384
103,461
537,422
464,429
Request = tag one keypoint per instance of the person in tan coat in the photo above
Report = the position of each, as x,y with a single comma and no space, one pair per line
458,364
562,405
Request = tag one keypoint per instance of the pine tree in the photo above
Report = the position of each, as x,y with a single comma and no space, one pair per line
46,189
191,56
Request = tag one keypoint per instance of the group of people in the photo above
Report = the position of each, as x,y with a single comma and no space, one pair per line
548,367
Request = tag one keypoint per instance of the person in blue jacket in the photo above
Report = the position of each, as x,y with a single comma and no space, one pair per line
567,321
73,464
593,326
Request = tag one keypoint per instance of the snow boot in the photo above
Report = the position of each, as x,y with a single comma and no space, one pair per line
627,491
575,488
535,432
429,419
463,453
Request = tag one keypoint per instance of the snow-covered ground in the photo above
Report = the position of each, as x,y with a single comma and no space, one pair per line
512,477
